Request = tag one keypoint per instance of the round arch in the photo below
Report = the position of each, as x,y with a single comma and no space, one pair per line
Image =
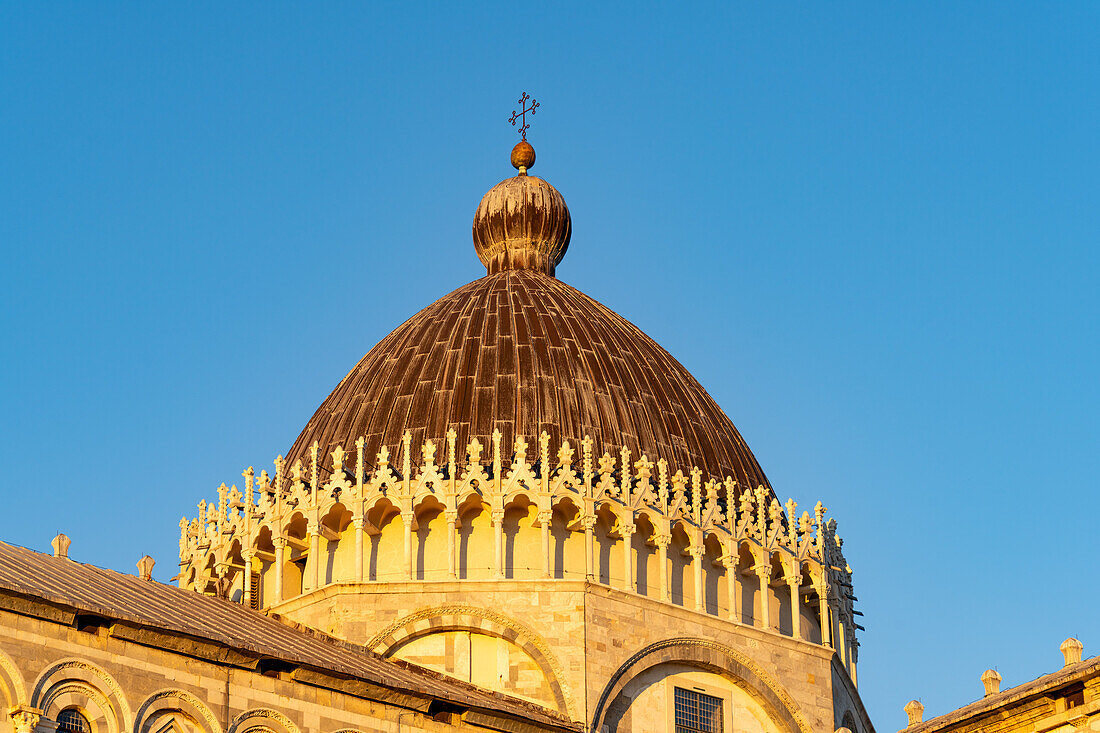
262,719
712,657
481,621
83,685
171,701
13,691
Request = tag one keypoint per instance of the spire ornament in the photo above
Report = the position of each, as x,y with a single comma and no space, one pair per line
522,114
522,223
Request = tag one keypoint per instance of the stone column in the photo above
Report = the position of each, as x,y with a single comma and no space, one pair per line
497,518
836,628
823,612
24,718
358,523
247,574
848,634
796,608
663,541
733,586
589,524
627,531
764,572
545,518
222,584
407,519
452,532
696,552
313,562
280,560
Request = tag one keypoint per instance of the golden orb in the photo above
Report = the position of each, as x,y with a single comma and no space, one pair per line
523,156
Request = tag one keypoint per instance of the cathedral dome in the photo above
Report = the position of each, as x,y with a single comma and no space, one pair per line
521,352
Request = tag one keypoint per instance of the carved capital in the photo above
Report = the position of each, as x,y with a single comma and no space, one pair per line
451,517
627,530
663,541
588,523
24,718
546,517
696,551
497,517
765,572
359,522
313,529
279,542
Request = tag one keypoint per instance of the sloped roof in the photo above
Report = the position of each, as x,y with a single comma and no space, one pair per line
86,589
1005,699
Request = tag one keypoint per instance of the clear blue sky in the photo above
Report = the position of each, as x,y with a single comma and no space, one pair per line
869,229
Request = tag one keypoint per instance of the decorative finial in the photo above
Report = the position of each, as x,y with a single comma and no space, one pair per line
145,567
1071,650
522,223
60,545
522,115
523,155
991,679
915,710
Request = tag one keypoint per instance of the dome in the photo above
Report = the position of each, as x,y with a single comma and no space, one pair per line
523,352
443,520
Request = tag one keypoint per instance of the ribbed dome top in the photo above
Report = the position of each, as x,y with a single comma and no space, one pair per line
522,351
522,223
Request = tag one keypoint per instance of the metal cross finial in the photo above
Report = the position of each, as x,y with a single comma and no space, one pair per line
522,114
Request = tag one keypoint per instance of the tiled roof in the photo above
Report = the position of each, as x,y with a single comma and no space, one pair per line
87,589
523,352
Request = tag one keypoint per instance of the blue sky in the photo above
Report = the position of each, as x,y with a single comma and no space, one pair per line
869,229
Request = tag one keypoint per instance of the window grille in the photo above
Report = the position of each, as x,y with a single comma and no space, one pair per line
696,712
72,721
254,600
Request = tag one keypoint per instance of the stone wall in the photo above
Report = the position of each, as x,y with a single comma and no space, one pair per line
122,686
542,620
586,640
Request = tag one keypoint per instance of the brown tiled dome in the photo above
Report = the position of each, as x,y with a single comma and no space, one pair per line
522,351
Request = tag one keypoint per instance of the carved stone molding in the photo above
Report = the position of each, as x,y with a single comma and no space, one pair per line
712,656
77,671
24,719
12,673
171,700
260,720
473,618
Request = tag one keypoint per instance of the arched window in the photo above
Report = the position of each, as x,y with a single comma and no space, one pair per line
72,720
